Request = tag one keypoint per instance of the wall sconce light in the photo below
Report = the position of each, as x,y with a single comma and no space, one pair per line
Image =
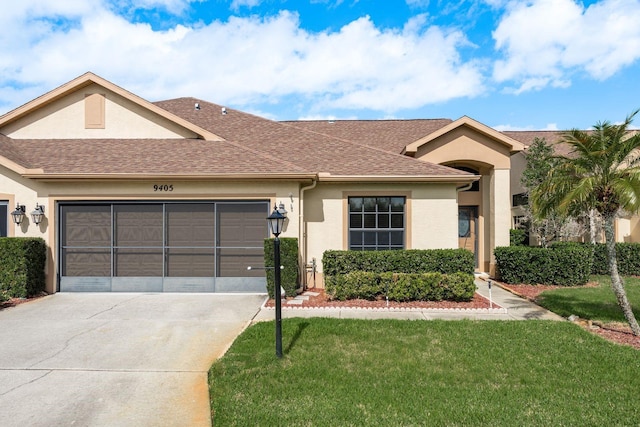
282,210
38,214
18,214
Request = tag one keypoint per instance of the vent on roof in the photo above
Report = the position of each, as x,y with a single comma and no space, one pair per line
197,106
224,111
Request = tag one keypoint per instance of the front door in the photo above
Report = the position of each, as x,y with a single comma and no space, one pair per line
468,229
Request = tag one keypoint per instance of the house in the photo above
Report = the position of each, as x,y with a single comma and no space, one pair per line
173,196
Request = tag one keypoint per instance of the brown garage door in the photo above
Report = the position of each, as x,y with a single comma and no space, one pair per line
163,246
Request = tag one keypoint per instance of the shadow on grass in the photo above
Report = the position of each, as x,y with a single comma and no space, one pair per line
301,327
566,304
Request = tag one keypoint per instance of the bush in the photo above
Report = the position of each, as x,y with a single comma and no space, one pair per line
566,264
445,261
289,275
628,255
22,263
402,286
517,237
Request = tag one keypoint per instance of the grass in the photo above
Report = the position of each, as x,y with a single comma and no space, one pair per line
338,372
596,303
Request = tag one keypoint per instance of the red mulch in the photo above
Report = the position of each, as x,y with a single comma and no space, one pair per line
321,301
12,302
615,332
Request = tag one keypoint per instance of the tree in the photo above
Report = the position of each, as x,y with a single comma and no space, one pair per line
541,160
602,172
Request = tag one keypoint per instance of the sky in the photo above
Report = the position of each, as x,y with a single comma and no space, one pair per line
512,65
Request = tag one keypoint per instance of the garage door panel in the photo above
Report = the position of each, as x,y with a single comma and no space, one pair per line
86,226
138,262
194,262
241,224
190,224
138,225
86,262
233,262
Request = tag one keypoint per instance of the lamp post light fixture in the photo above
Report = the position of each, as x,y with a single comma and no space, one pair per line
37,214
276,223
18,214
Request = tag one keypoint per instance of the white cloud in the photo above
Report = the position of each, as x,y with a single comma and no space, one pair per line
544,42
503,128
241,61
237,4
418,3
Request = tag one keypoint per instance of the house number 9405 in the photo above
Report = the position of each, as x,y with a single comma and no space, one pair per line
163,187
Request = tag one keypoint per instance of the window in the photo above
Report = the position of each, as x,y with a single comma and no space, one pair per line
520,199
376,223
3,218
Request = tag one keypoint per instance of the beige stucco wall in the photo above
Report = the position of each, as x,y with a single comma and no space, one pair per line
64,118
465,145
518,164
431,223
500,202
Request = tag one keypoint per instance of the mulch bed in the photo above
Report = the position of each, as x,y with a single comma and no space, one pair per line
12,302
615,332
321,301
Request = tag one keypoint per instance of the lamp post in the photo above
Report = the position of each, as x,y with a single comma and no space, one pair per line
276,222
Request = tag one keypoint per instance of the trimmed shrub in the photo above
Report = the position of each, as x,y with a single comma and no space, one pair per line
22,263
289,275
402,286
517,237
628,255
445,261
566,264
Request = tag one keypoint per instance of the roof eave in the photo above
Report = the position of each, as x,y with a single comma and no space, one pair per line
42,176
443,179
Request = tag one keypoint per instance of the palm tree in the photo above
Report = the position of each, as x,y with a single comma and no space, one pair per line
602,172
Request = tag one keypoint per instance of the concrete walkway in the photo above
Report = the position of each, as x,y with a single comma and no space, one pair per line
115,359
509,307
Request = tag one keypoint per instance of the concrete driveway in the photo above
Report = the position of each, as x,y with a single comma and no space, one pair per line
115,359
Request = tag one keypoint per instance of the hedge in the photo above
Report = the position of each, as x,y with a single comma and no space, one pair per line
402,286
289,277
628,255
22,263
445,261
564,265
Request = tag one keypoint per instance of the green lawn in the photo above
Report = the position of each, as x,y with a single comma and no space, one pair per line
597,303
443,373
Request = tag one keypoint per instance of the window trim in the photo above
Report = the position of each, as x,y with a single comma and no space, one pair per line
378,193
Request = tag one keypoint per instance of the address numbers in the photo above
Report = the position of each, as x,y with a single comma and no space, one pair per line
163,187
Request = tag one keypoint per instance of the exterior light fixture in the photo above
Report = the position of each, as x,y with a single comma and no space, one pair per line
281,209
18,214
276,223
276,220
38,214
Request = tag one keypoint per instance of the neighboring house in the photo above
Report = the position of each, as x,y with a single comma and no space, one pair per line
174,195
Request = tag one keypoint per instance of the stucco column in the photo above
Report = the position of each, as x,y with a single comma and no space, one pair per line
500,212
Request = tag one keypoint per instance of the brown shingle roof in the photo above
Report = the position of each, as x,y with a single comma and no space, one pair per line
148,156
306,149
388,135
11,149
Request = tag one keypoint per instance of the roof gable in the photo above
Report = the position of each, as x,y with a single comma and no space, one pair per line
64,105
498,137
